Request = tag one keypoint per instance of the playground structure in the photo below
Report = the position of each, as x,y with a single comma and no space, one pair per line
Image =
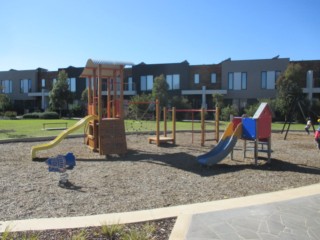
104,122
289,116
158,138
255,130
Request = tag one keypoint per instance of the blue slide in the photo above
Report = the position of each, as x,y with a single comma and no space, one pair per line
223,148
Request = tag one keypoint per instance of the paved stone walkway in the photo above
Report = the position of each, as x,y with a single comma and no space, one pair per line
292,219
289,214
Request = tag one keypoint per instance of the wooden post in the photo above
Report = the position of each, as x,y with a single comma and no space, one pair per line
217,116
90,105
94,95
108,98
114,99
158,122
121,112
165,121
99,94
202,127
174,125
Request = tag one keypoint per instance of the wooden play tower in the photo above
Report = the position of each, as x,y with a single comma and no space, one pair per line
106,133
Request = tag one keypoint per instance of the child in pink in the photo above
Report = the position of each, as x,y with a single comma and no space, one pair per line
317,137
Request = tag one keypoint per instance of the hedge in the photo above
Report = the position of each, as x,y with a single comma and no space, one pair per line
44,115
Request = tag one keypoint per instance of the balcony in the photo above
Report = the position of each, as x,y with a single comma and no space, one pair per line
44,92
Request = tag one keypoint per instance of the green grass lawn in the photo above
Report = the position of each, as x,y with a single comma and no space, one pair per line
27,128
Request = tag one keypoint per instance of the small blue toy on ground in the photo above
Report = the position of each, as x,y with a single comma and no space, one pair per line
60,164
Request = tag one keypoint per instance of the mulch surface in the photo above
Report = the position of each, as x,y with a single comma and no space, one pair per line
148,176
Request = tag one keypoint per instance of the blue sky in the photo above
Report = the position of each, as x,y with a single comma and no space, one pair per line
61,33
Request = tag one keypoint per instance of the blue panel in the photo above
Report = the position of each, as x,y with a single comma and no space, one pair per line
249,128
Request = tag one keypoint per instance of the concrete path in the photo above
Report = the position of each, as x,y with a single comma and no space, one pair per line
293,219
287,214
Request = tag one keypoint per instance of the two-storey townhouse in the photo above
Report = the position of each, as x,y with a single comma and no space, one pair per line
204,81
17,84
45,82
176,75
195,82
311,83
239,81
76,84
249,80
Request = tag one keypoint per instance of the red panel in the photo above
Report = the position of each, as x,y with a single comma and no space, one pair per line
264,126
236,121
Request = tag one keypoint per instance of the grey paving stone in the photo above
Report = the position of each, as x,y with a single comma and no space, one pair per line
293,219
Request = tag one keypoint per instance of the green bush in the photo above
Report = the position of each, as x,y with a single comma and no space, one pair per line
180,102
44,115
10,114
227,111
33,115
49,115
78,111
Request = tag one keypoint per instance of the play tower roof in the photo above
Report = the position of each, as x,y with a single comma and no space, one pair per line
107,68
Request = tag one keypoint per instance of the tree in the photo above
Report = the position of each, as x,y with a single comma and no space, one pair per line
84,95
227,111
160,90
217,100
60,95
180,102
5,103
289,86
139,111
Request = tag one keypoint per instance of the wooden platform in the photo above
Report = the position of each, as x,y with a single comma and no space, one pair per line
162,139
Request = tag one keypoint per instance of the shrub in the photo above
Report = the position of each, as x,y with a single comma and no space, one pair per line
31,115
78,111
180,102
139,111
49,115
227,111
44,115
10,114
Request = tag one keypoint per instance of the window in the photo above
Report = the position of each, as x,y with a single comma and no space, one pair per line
25,85
130,83
72,84
268,79
43,83
146,83
244,80
196,78
6,86
213,78
173,81
237,80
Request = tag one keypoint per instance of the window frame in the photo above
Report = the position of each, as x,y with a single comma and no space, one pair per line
146,82
4,87
173,81
213,80
196,78
243,80
22,85
72,84
265,81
